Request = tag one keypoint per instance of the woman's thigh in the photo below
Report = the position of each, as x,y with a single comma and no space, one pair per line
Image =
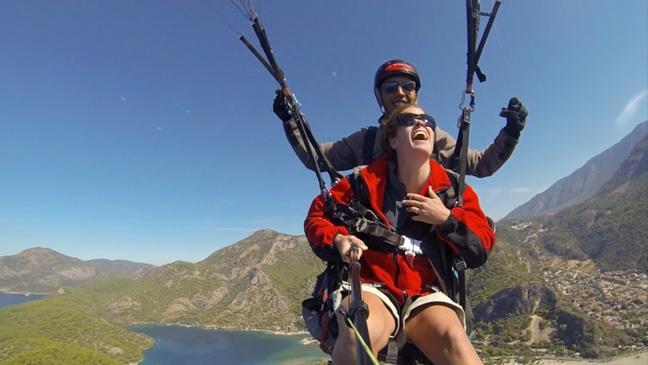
380,322
435,328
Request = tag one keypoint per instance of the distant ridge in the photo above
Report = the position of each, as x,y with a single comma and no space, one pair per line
582,183
43,270
611,227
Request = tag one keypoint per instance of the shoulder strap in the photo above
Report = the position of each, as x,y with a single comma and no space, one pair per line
360,218
368,146
449,195
359,190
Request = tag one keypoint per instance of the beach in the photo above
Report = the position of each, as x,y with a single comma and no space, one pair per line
630,359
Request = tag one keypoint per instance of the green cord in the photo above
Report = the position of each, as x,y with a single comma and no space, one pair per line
364,345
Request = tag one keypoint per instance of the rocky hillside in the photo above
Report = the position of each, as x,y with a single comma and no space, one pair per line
572,283
41,270
583,183
610,228
258,282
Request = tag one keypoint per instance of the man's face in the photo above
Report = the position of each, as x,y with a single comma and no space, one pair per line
397,90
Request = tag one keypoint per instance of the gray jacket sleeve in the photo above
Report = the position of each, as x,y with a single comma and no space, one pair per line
481,163
344,154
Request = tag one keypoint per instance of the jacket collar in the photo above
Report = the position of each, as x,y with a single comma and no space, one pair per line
375,178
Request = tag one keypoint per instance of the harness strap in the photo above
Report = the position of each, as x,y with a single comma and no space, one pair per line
368,145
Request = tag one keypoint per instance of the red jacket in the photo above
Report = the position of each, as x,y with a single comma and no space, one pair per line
467,233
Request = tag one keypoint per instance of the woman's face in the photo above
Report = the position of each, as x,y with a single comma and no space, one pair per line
414,135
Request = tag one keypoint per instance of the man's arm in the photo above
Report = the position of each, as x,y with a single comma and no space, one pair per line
344,154
482,163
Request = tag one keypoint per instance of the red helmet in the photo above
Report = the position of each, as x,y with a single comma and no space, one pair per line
394,68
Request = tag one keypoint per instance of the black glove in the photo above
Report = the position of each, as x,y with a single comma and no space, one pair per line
515,115
280,107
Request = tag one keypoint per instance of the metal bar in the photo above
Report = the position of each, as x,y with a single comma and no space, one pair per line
260,58
265,45
358,309
471,35
489,25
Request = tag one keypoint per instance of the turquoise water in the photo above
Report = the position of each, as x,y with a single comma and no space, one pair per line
11,299
187,345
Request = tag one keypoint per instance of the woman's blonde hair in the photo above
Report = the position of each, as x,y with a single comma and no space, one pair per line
389,125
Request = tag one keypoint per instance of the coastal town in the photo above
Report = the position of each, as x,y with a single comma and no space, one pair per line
618,298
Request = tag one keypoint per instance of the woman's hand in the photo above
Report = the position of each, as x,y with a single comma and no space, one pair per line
350,247
427,210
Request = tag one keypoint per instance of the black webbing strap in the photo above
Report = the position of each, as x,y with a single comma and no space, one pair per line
368,146
358,221
462,146
312,147
473,14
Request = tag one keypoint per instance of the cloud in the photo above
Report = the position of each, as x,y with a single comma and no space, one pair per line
628,113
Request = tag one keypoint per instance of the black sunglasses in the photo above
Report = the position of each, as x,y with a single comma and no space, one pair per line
392,86
409,119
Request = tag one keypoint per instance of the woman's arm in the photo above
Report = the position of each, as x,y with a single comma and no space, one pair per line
467,231
320,230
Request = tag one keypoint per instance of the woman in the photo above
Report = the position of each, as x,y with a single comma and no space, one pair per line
402,292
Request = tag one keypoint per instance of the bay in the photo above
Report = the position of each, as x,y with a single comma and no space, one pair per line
7,299
179,345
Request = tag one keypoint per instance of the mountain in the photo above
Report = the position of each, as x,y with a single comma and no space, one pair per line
526,299
258,282
611,227
42,270
552,281
582,183
119,267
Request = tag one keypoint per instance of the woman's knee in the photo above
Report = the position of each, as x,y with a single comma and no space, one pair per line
454,336
381,323
436,322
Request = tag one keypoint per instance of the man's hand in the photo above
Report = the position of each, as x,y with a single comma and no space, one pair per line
280,107
350,247
515,115
427,210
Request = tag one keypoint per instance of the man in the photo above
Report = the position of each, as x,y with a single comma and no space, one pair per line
397,82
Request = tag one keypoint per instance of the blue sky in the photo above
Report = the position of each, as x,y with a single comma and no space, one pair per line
144,130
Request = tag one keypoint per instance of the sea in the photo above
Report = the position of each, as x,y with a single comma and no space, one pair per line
191,345
7,299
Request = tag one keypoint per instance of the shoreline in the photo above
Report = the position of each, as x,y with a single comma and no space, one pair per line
224,329
22,293
639,357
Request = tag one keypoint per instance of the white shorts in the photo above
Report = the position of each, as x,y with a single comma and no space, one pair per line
401,316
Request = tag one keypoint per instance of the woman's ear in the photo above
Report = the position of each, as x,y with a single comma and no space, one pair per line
392,142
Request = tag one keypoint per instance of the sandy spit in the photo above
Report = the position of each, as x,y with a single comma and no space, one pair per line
631,359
